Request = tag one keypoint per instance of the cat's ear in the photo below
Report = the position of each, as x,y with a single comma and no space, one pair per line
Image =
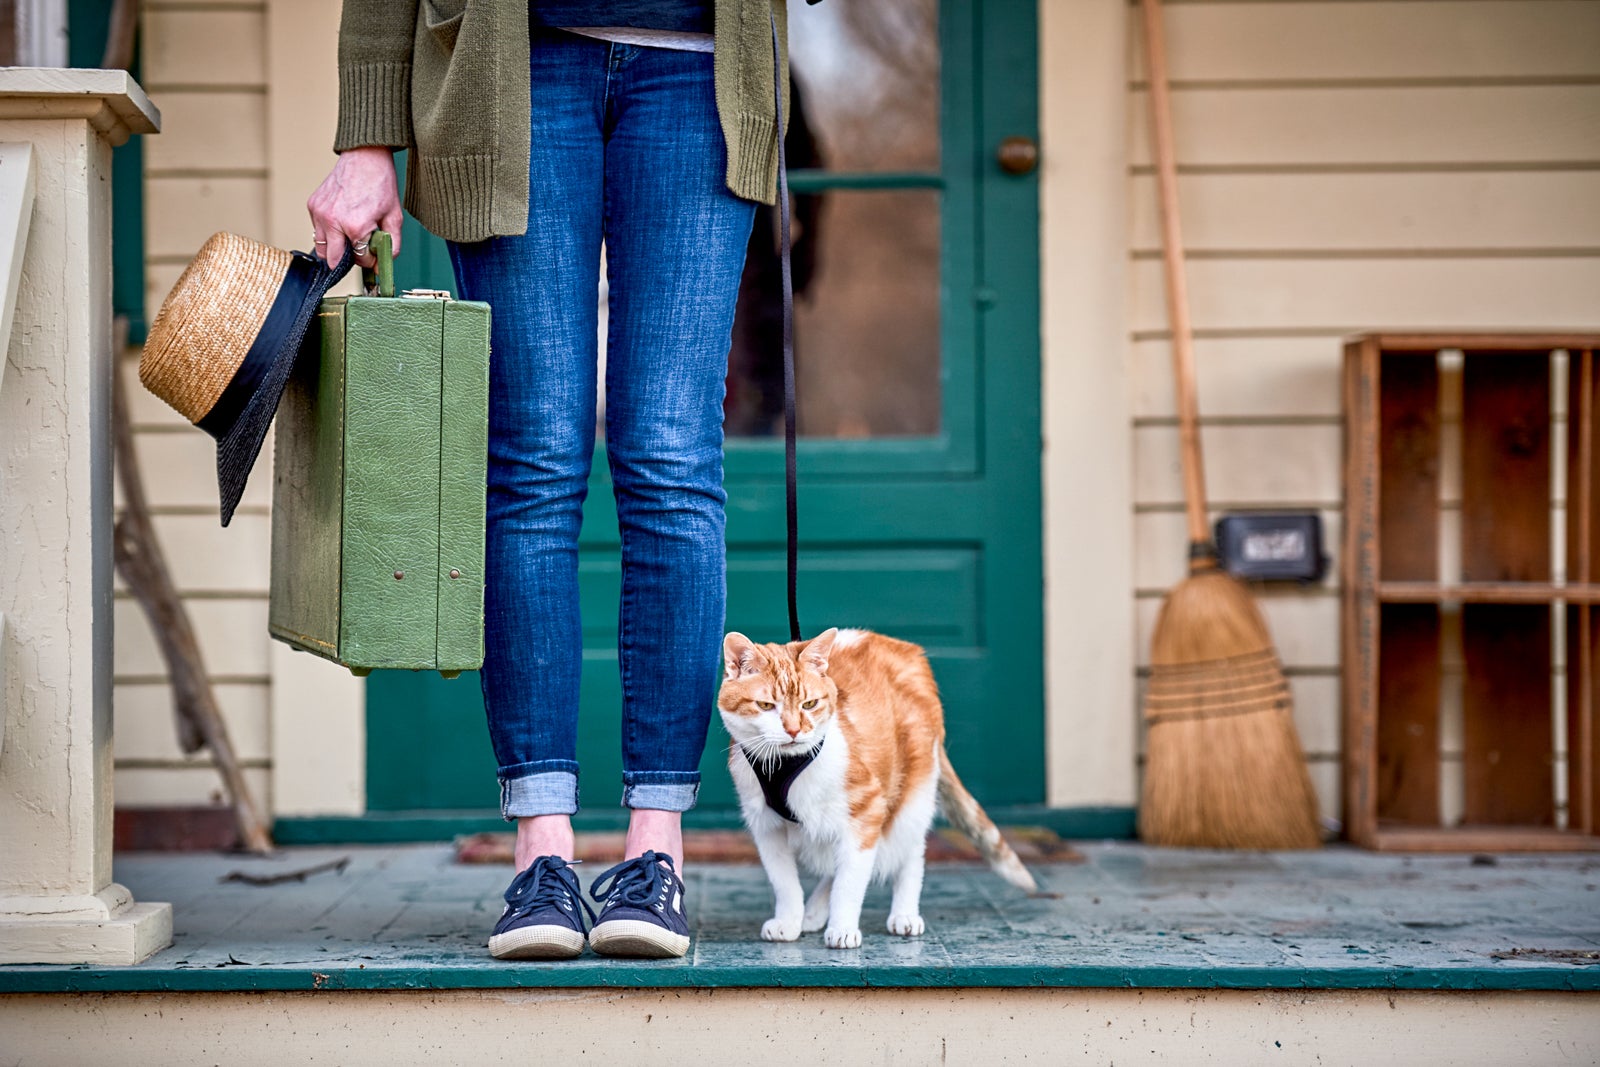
739,655
818,649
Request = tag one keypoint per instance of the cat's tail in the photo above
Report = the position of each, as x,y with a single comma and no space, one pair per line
968,816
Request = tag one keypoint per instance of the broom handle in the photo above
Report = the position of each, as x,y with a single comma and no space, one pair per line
1194,479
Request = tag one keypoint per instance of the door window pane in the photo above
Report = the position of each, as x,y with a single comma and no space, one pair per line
866,260
868,77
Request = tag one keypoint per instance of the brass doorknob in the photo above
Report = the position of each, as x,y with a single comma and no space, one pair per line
1018,155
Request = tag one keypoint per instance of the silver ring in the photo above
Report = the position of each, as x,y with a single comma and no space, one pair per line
316,242
360,247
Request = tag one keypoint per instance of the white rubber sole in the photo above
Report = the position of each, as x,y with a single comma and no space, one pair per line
635,937
537,943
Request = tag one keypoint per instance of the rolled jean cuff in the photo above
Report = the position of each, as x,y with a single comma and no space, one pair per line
549,787
660,790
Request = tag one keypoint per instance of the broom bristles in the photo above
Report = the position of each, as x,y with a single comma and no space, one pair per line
1208,616
1223,764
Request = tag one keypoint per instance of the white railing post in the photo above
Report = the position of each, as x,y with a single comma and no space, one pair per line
58,903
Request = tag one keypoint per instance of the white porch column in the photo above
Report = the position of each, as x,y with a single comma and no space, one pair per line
58,903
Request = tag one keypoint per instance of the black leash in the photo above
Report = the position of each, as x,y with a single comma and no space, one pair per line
788,342
776,777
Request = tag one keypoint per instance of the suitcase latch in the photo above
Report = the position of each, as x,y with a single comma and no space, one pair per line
426,294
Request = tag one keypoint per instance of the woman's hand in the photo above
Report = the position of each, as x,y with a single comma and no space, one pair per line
359,195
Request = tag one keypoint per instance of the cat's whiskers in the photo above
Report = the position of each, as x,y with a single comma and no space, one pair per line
762,750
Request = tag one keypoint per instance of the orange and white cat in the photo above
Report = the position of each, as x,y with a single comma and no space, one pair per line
868,707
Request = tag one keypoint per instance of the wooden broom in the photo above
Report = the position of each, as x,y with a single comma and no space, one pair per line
1223,765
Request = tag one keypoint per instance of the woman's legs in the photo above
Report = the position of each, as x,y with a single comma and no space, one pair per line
675,245
542,288
625,143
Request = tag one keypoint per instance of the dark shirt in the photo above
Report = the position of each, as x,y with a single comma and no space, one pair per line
694,16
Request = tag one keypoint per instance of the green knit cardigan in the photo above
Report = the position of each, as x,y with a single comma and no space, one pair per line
448,80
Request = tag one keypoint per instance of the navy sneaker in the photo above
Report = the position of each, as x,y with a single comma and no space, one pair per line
642,909
542,919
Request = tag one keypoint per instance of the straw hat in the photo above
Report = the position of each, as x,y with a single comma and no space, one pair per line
222,345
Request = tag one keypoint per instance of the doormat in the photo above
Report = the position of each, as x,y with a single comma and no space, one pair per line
1033,844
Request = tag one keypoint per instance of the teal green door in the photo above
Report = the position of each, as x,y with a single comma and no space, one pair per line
919,377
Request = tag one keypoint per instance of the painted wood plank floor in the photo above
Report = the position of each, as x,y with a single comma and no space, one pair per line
405,917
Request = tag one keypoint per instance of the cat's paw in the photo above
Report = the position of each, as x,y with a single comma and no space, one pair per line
811,922
906,925
837,938
780,930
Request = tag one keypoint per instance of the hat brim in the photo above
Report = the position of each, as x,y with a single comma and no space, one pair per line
238,448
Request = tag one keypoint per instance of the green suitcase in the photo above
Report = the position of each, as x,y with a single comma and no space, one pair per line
379,483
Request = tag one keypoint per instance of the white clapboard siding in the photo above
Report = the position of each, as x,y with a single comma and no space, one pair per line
1343,40
1244,465
210,131
1452,791
1304,627
1369,127
232,634
179,785
1466,293
1466,211
146,731
1316,712
147,410
1249,377
181,212
159,277
1327,779
208,559
180,471
1161,548
204,46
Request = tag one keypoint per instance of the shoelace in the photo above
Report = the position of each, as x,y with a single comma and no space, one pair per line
547,881
638,881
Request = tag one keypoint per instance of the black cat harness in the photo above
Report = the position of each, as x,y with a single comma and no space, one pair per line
777,776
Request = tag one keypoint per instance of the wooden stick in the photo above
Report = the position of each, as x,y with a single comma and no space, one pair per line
120,35
142,565
337,866
1584,742
8,33
1194,482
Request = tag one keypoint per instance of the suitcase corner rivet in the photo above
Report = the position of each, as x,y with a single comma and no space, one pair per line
455,574
399,575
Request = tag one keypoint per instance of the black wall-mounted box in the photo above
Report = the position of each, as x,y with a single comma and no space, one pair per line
1275,546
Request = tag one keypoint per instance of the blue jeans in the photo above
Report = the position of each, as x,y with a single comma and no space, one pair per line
626,148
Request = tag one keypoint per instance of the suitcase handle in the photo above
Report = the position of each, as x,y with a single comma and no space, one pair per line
380,282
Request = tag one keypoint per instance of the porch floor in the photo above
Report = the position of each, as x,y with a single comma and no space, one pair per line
407,917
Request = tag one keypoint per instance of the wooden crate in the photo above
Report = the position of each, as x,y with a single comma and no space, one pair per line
1502,613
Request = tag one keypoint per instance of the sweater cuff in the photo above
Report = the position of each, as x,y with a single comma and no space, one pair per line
753,160
374,105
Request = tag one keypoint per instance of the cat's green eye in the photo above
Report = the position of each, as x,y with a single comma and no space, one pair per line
765,705
808,705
